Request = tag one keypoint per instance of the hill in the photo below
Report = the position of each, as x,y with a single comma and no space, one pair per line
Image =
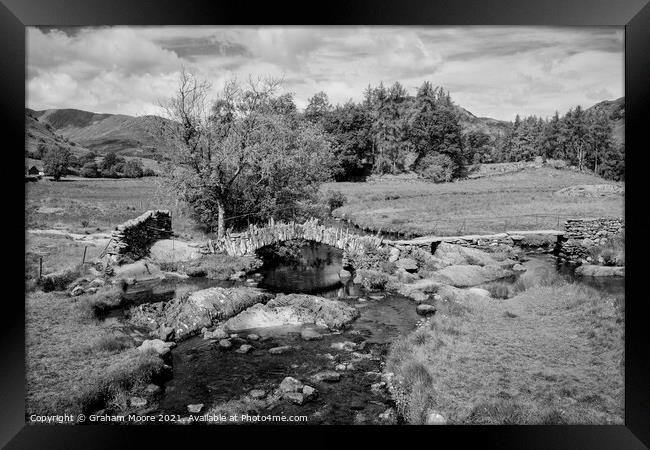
43,135
615,110
104,133
470,122
129,136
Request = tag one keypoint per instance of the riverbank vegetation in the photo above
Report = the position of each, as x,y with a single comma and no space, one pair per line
551,355
76,363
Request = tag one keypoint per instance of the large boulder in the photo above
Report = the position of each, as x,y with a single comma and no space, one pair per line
469,275
453,254
588,270
294,309
188,314
168,250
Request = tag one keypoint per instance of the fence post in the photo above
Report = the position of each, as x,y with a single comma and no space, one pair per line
40,268
83,259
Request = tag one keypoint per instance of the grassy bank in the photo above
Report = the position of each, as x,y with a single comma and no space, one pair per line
75,363
528,199
551,355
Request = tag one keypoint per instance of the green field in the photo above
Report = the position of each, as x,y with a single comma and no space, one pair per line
83,205
522,200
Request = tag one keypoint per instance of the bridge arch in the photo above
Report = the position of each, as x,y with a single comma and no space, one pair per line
256,237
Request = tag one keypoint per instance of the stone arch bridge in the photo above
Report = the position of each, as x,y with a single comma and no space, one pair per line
256,237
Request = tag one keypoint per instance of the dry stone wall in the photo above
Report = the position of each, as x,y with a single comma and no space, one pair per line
583,234
135,237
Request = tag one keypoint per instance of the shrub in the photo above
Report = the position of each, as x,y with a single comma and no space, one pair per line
611,253
498,290
59,281
89,170
436,167
372,279
94,306
335,199
369,257
110,343
413,392
133,168
135,369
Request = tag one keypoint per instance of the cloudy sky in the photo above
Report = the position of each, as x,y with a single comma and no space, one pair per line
491,71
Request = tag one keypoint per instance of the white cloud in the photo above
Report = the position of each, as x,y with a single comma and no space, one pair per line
491,71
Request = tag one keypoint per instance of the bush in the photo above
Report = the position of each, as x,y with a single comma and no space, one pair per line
436,167
335,199
94,306
133,168
148,172
611,253
110,343
413,392
370,258
89,170
372,279
498,290
135,369
59,281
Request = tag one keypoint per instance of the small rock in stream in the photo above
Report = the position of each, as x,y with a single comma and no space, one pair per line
424,310
309,392
244,348
290,384
153,389
138,402
280,350
253,337
297,398
195,408
225,344
257,394
330,376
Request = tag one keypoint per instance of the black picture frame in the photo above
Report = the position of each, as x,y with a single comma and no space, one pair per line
634,15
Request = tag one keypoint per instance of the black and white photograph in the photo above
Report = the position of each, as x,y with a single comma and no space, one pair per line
325,225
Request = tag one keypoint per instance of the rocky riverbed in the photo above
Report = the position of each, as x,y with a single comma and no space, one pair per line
259,346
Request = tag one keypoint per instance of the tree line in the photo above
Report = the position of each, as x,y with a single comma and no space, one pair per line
249,155
390,131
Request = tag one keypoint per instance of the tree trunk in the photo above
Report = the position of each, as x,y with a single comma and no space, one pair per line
221,219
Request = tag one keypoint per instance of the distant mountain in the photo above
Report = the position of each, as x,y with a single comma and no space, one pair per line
615,110
103,133
470,122
41,134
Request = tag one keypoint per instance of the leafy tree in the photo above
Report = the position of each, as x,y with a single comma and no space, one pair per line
318,107
56,161
109,161
88,157
133,168
90,170
241,154
435,127
436,167
348,126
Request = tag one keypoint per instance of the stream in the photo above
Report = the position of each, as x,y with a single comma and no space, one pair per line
203,373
